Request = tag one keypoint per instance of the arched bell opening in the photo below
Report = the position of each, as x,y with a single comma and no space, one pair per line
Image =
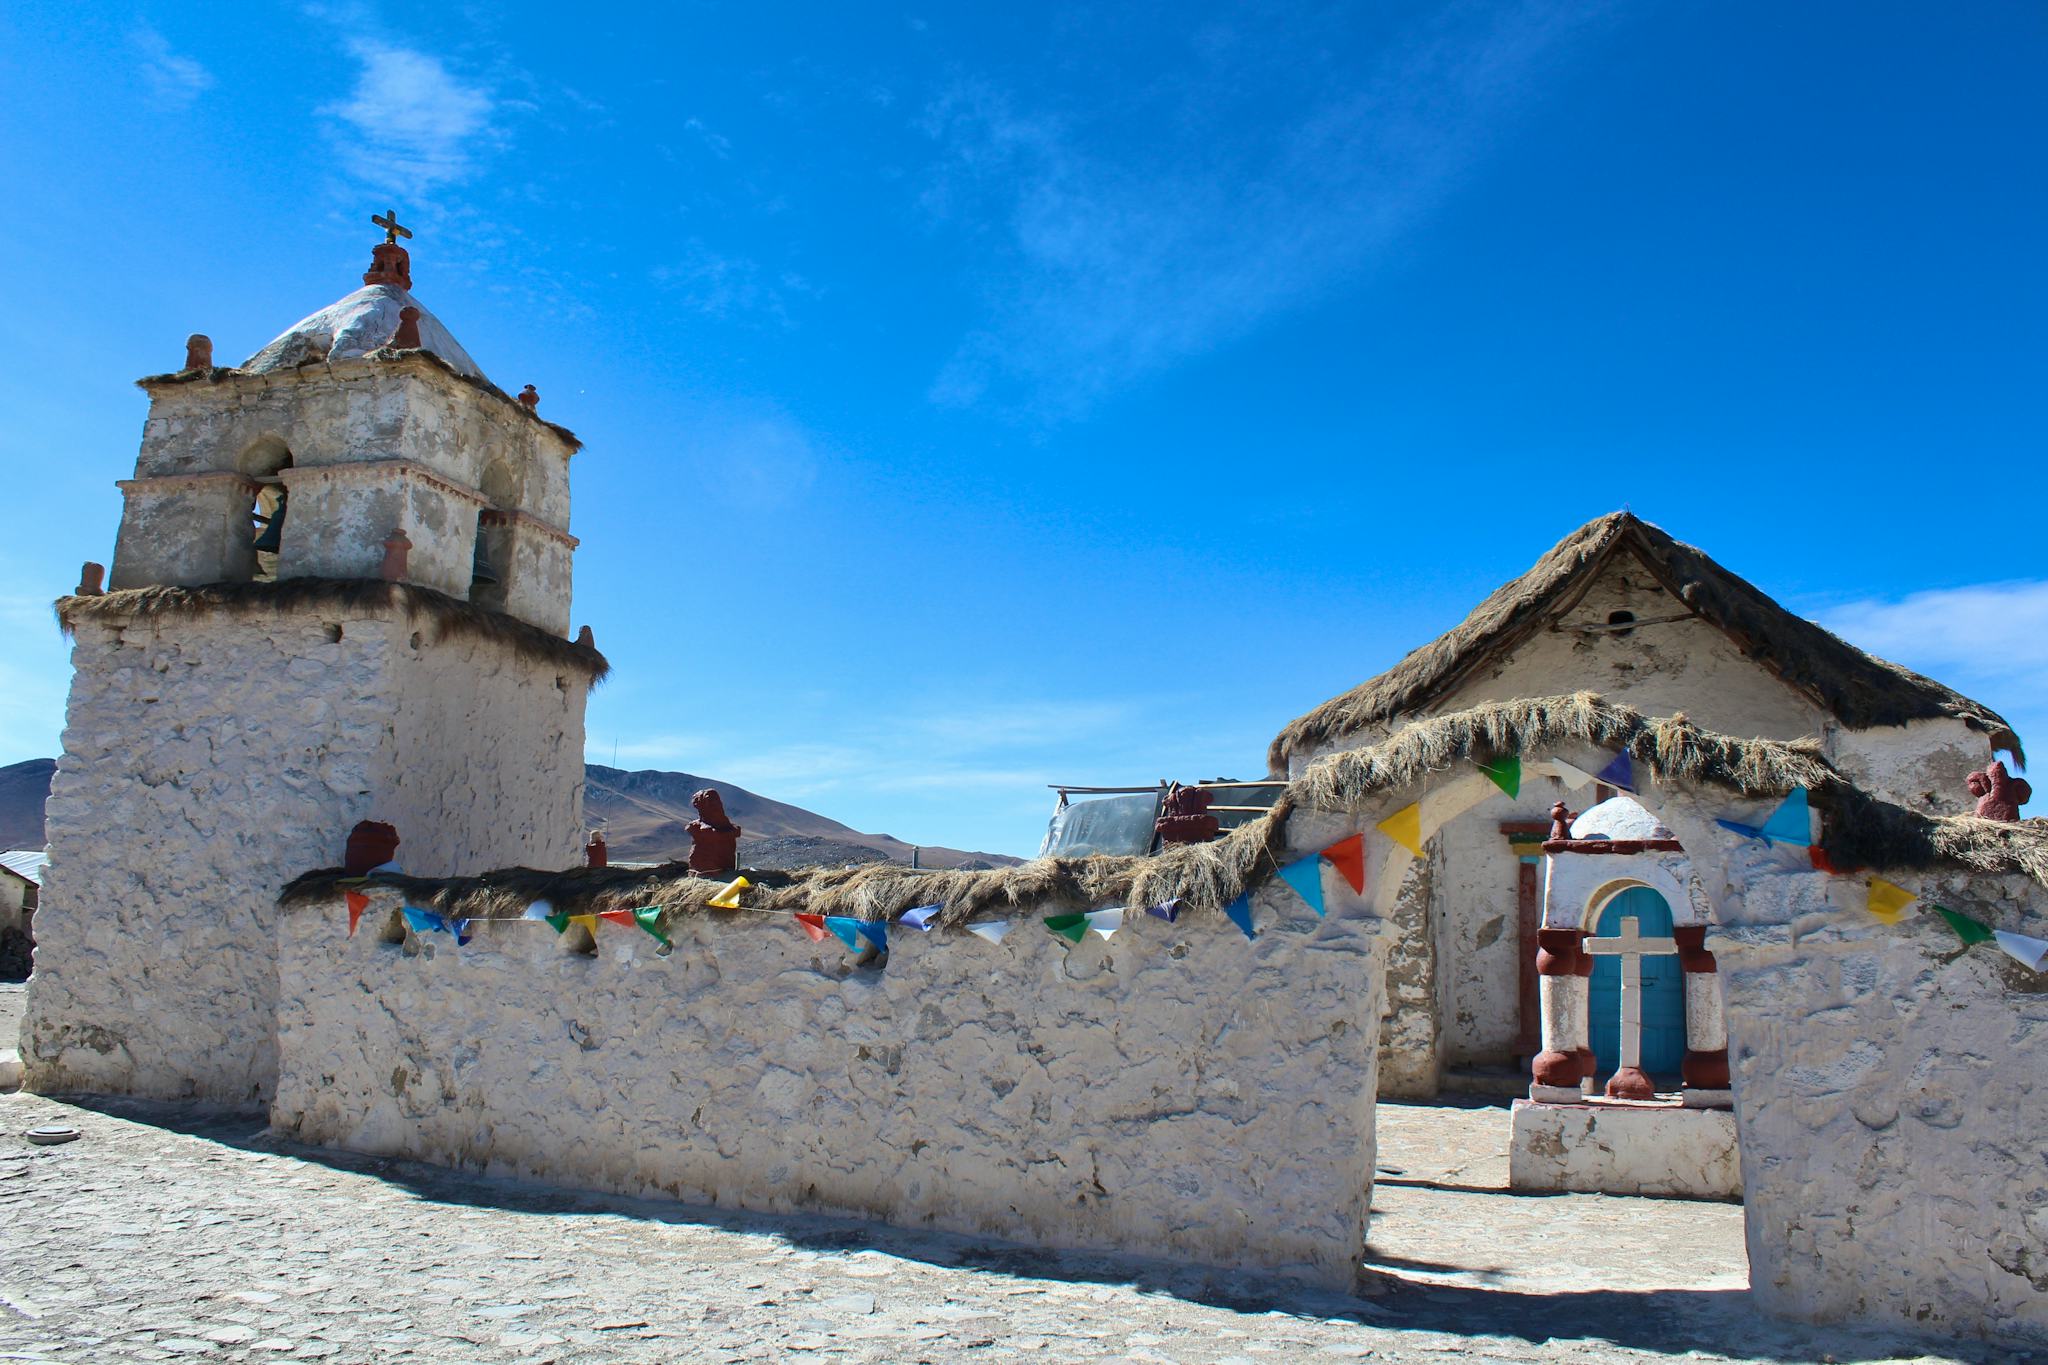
493,553
264,463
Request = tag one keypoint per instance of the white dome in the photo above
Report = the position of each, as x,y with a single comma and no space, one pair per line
1619,818
355,326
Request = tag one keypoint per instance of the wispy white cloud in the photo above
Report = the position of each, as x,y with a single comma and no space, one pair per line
1988,641
174,80
410,124
725,286
1117,255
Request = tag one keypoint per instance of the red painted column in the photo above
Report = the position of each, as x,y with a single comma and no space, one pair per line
1561,1064
1706,1030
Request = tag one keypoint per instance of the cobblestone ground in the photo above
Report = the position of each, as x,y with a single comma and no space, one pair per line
165,1233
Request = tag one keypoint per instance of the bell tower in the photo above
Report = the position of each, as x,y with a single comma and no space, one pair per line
340,592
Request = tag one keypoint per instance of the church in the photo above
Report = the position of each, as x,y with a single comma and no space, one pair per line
1621,609
1632,836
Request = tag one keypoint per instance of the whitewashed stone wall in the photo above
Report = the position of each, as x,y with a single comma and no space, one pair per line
209,760
1890,1094
1175,1092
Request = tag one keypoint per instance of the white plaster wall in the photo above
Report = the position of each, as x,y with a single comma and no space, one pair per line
1890,1091
1618,1149
207,761
1176,1091
1923,766
1575,883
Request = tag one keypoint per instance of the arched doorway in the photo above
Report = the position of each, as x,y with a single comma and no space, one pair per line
1663,996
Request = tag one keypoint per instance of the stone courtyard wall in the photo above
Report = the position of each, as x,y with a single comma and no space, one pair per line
207,761
1175,1091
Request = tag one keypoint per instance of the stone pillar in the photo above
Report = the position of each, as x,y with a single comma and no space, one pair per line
1561,1068
1705,1069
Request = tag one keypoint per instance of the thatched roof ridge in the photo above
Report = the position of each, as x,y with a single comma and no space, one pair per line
1861,690
1861,830
451,617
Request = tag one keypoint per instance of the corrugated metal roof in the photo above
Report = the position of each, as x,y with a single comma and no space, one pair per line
26,863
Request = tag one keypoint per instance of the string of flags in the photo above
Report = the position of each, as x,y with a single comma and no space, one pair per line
1789,825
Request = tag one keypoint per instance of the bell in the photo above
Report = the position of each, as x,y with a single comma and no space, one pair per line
481,571
271,538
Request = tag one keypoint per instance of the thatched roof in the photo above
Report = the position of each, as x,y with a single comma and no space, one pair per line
1862,691
1860,831
452,618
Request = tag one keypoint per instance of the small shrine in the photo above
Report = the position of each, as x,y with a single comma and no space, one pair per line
1634,1042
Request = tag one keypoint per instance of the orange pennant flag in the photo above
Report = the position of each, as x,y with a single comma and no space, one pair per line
813,927
1404,827
1348,857
624,917
1888,902
357,903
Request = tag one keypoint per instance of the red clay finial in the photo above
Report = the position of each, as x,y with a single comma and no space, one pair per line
397,546
529,398
407,337
1999,794
90,578
199,351
389,263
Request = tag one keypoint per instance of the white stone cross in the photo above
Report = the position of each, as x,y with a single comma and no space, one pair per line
1631,949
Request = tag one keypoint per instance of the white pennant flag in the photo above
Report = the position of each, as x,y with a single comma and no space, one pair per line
1106,922
2031,952
1574,778
992,930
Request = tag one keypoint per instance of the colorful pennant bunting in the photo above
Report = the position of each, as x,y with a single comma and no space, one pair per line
993,930
1106,922
1968,930
647,917
1404,827
1240,913
427,922
1071,927
920,918
558,920
1505,773
1348,857
1620,773
728,897
875,932
1166,910
1573,777
357,903
813,927
1888,902
589,923
2028,952
1305,875
847,929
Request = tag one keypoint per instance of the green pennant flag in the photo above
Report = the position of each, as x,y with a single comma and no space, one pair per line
648,917
1967,929
559,921
1072,927
1506,773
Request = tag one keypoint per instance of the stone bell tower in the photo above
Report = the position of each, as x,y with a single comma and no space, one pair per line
339,593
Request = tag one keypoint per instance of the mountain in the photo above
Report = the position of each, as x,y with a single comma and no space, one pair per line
643,815
23,788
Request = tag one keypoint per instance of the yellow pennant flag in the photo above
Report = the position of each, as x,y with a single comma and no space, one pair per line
589,922
728,897
1404,827
1888,902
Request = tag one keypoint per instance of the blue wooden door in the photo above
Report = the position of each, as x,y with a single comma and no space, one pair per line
1663,989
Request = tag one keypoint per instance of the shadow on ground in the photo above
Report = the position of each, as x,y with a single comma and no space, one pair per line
1669,1321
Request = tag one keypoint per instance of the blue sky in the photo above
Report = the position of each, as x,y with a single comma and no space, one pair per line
978,397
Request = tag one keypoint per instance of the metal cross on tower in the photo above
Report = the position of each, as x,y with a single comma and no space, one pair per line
1629,1080
388,220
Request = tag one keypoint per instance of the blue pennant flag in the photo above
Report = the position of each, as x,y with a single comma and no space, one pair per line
425,921
920,918
1306,877
875,932
462,934
1789,824
846,927
1240,912
1166,910
1620,773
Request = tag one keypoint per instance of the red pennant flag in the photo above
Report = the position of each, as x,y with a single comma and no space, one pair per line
1348,857
813,927
357,903
624,917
